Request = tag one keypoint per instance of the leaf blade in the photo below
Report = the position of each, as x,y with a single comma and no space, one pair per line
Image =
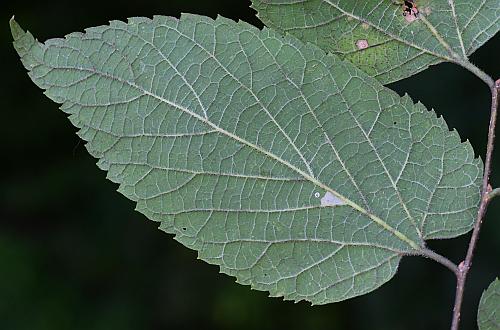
232,138
488,316
393,47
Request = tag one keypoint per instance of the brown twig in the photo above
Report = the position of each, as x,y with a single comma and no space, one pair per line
464,266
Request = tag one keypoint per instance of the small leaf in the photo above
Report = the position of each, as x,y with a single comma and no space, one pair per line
380,38
488,316
290,169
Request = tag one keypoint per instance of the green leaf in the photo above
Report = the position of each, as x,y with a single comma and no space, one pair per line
290,169
375,36
488,315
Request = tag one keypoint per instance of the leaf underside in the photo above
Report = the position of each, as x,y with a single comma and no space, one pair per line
488,316
290,169
375,36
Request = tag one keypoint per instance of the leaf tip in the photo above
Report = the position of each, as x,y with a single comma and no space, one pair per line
22,40
15,29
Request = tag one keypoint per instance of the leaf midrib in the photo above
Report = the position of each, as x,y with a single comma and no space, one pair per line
351,178
304,174
317,121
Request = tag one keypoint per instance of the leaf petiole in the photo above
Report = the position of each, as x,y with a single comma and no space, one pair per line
494,193
440,259
478,72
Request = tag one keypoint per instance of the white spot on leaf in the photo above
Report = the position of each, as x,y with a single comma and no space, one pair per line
410,18
331,200
362,44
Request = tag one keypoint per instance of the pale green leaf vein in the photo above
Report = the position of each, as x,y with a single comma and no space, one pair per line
459,33
320,125
395,37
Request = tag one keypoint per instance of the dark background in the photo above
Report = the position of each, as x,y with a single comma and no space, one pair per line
75,255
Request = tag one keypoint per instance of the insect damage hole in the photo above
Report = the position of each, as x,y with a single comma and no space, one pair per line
410,10
330,199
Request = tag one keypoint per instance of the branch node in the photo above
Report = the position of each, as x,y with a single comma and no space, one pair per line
462,267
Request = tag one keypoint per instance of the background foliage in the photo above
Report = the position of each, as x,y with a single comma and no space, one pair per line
74,254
